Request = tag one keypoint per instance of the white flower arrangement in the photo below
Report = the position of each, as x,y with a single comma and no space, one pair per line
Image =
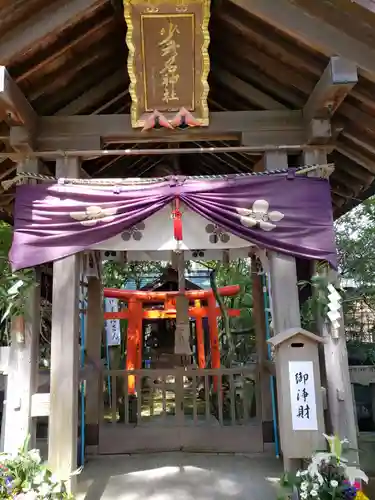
327,477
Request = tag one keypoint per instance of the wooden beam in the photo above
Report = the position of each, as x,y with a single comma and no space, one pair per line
19,139
247,91
338,79
313,32
265,127
94,95
52,19
13,104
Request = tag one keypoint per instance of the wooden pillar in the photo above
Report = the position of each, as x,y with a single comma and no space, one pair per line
63,420
341,405
22,379
200,337
262,351
94,329
283,276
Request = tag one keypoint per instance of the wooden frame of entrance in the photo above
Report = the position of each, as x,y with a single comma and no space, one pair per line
254,128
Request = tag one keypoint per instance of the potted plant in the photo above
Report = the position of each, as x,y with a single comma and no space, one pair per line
24,477
327,477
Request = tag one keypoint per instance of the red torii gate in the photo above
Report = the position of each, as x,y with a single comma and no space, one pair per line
135,313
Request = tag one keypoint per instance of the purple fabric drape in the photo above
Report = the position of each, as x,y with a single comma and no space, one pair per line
286,213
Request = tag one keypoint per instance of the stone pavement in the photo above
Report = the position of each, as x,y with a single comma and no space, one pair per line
180,476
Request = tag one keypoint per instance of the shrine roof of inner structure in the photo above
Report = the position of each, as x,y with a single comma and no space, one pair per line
69,57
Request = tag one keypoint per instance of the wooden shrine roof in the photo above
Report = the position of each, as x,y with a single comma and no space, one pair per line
70,58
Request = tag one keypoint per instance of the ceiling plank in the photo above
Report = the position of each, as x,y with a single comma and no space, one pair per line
13,104
52,19
337,80
247,91
94,95
91,34
311,31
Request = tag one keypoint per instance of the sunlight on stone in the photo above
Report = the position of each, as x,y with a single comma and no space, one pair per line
152,474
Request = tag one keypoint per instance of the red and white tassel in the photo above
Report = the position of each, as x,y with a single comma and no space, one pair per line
177,221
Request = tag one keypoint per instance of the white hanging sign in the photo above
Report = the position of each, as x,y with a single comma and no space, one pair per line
112,326
302,395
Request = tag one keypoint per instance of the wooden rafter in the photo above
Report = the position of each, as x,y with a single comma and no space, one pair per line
50,20
248,91
94,95
311,31
338,79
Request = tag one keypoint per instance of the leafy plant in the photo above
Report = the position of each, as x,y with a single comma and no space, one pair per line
24,477
327,477
14,287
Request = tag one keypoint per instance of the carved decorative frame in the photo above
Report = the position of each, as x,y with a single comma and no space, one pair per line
167,8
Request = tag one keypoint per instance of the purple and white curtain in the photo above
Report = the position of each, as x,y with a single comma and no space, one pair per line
282,212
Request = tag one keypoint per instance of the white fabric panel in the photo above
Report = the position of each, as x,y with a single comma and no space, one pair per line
165,255
156,233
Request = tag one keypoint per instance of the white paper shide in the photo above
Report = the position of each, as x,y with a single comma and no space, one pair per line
112,326
302,395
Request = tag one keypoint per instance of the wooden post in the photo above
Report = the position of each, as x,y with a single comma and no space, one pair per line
341,405
339,391
63,420
94,329
22,379
283,276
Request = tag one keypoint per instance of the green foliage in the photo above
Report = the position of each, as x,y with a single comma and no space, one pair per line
355,237
237,272
117,275
317,305
23,476
14,287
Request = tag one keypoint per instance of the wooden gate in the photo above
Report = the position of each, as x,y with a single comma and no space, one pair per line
182,409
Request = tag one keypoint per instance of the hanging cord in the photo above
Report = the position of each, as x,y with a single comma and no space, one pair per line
268,316
324,171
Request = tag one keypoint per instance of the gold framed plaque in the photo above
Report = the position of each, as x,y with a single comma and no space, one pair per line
168,62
